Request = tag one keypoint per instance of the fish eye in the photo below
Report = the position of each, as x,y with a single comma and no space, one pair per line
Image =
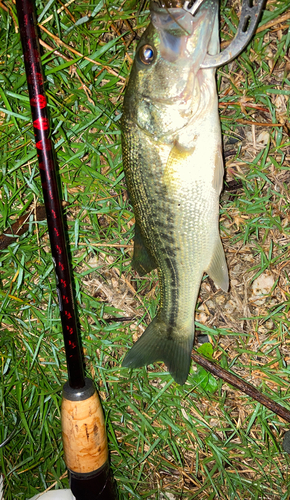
147,54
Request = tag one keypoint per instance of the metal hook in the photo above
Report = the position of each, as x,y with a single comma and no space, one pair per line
194,7
250,16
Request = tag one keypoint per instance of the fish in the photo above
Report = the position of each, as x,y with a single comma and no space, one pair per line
173,164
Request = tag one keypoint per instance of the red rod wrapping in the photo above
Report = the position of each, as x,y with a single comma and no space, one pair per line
47,166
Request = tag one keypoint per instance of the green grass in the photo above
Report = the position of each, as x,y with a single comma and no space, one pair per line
164,439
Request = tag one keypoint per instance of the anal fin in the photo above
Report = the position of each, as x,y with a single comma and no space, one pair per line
143,261
217,269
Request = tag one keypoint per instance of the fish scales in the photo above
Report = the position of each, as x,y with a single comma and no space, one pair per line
174,171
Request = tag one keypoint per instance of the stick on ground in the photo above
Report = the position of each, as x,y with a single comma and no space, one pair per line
240,384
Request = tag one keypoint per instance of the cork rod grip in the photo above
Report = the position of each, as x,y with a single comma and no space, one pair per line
84,434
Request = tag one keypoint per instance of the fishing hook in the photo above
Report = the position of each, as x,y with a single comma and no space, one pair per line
249,19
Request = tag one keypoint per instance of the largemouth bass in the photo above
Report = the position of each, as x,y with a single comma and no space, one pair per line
174,171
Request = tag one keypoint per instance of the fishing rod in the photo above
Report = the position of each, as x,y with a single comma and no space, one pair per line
83,427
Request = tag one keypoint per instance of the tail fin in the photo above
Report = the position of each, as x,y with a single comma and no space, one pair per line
160,342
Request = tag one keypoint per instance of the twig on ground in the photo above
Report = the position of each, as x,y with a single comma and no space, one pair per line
240,384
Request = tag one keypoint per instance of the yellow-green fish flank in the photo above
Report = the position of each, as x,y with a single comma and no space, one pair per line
174,171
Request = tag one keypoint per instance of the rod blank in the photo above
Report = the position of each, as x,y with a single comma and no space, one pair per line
47,166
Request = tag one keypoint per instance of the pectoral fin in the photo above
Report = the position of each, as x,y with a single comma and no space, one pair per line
217,268
143,261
